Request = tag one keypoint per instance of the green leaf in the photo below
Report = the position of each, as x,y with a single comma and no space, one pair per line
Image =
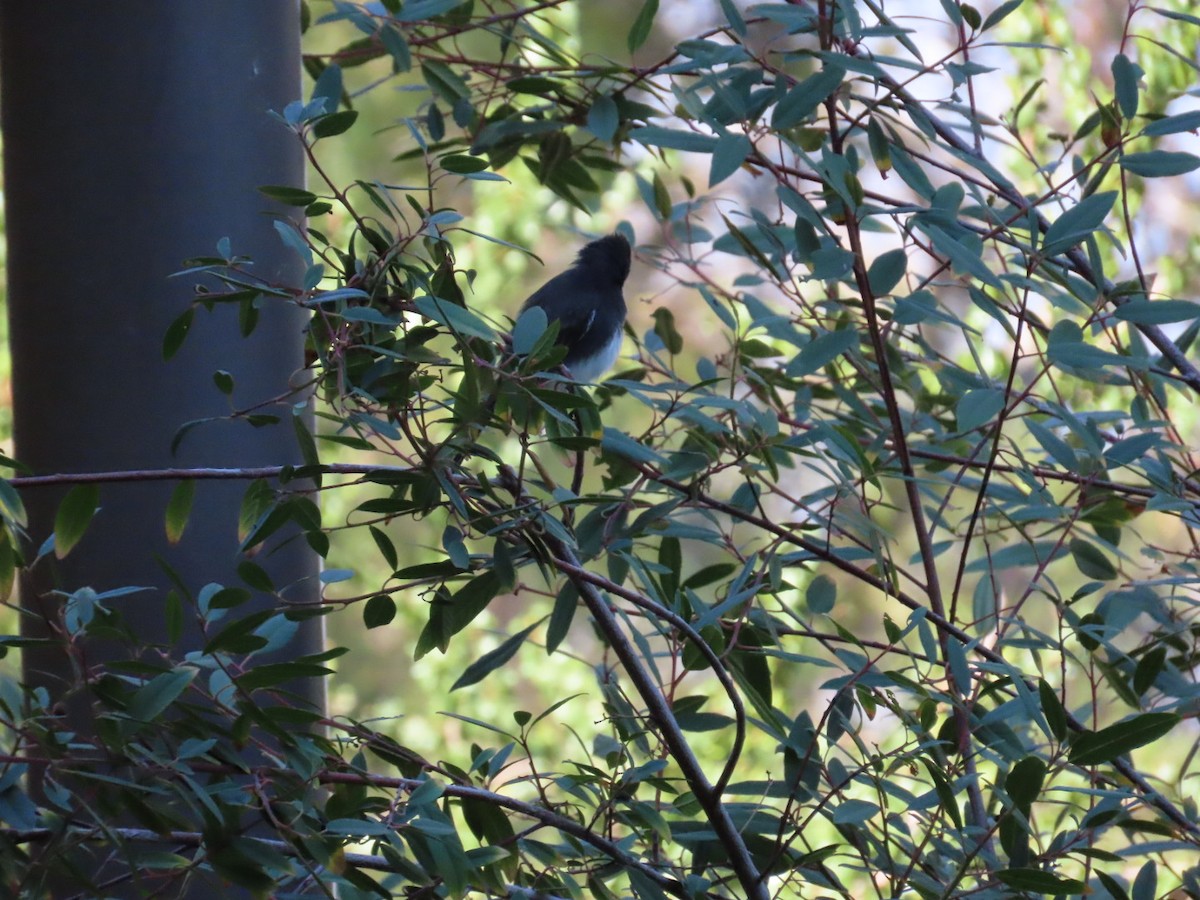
1091,561
255,576
1078,222
152,699
1157,312
329,88
453,316
179,507
1023,785
978,407
1024,553
1184,121
223,381
1132,448
1088,359
304,440
472,599
880,147
661,199
886,271
176,332
854,812
462,164
397,48
1125,84
385,546
334,123
670,560
821,351
444,82
1160,163
368,314
418,10
1145,884
1001,12
379,611
965,260
11,506
734,17
1052,709
731,151
665,330
802,99
8,569
530,326
1040,882
642,25
1096,747
73,517
494,659
1114,888
603,118
821,594
565,605
1060,451
622,444
289,196
1177,16
671,139
1148,669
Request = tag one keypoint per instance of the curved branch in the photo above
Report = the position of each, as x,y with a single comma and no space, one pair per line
659,709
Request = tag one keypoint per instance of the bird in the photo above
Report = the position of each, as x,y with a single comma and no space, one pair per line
587,303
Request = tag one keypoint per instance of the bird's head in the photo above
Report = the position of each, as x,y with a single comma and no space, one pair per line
607,259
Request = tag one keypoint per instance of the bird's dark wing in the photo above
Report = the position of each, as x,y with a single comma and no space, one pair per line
577,309
586,301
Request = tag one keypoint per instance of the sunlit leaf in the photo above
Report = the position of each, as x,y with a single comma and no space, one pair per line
179,508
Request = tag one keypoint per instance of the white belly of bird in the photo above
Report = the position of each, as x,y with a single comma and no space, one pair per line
592,367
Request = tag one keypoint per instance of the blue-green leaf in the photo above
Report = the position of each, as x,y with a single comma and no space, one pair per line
673,139
623,445
328,88
1157,312
821,594
416,10
1039,881
1078,222
1085,357
603,117
1091,561
153,698
1184,121
886,271
1160,163
1060,451
802,99
454,316
493,660
1125,84
1000,13
1096,747
530,326
821,351
731,151
734,16
978,407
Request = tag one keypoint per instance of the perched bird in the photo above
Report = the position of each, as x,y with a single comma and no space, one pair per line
587,303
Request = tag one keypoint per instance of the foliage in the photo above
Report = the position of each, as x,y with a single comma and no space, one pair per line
886,546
